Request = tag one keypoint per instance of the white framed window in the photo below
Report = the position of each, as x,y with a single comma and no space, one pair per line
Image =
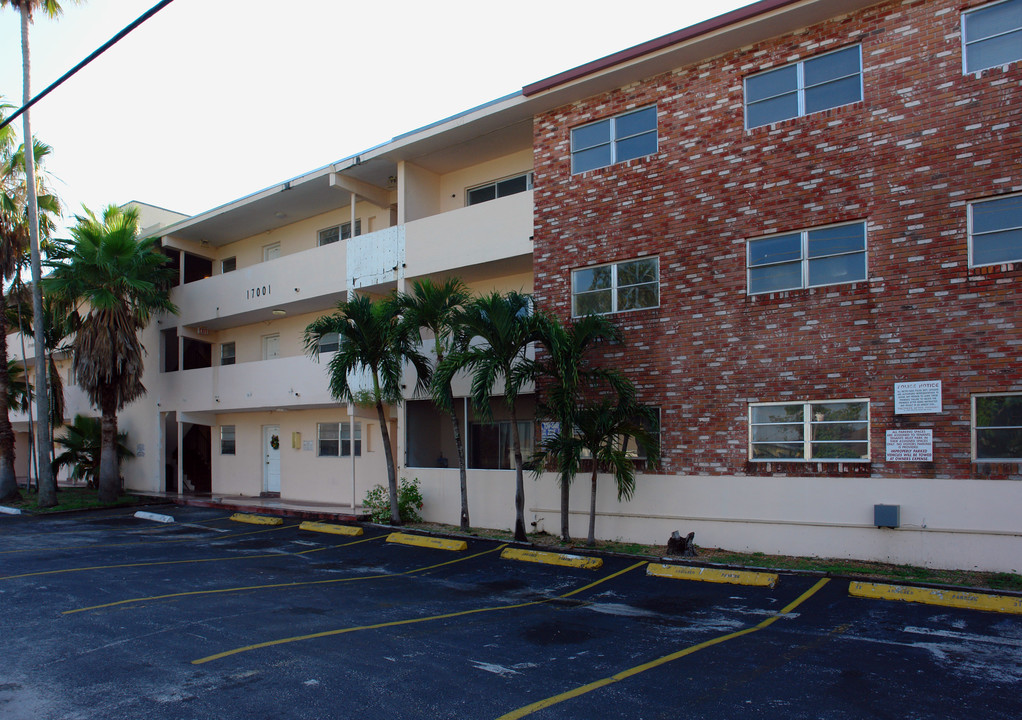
995,231
616,139
227,445
329,342
616,287
831,255
997,427
802,88
499,188
338,232
227,353
228,265
818,430
334,439
992,35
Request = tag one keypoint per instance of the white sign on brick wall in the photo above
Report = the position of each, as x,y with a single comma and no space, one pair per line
910,445
917,397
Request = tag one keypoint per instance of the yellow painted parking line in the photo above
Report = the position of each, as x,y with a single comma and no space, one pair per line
408,621
714,575
550,558
631,672
429,542
932,596
330,528
272,586
257,519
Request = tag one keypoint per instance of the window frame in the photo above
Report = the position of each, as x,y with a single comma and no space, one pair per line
800,87
234,353
971,235
340,232
228,442
975,428
804,258
613,141
614,287
966,42
807,423
329,342
495,184
343,430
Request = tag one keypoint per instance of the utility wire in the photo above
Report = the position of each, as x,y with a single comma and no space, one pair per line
106,46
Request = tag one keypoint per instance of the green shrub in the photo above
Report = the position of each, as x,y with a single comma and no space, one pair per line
409,502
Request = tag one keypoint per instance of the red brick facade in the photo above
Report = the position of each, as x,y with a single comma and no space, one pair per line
925,141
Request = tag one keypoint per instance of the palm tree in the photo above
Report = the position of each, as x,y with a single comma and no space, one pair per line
82,443
603,429
567,376
373,340
436,306
495,332
110,283
47,482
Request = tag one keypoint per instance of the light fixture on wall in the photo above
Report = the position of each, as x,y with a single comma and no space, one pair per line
280,313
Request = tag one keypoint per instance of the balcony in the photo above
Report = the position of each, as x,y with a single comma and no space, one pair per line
490,233
306,281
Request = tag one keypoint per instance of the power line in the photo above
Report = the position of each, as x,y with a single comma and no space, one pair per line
102,49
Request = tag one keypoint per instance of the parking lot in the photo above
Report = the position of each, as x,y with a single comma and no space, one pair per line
108,616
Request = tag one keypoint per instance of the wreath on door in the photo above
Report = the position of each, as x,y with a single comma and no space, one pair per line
275,442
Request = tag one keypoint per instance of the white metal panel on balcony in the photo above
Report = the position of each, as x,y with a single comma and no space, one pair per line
488,232
376,258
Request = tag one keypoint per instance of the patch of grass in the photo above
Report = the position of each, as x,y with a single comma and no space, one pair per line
859,569
70,499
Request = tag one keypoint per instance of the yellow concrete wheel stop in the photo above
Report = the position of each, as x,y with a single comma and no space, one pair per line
256,519
934,596
331,528
428,542
551,558
714,575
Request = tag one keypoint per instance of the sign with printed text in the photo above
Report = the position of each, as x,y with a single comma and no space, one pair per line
912,398
910,445
549,430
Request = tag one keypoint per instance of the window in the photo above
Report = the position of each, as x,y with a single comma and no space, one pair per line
614,140
491,446
992,35
997,427
631,448
227,353
335,439
339,232
822,82
629,285
228,265
329,343
828,430
226,439
995,231
500,188
810,258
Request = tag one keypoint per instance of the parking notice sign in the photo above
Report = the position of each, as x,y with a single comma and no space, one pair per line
910,445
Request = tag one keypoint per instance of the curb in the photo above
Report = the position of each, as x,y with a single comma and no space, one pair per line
429,542
731,577
550,558
9,510
931,596
331,528
277,511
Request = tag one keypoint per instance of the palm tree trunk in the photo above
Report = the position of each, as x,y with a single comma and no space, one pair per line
8,475
395,513
520,535
109,472
565,500
592,507
462,463
44,448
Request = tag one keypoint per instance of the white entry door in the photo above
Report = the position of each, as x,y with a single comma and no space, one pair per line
271,346
271,458
271,252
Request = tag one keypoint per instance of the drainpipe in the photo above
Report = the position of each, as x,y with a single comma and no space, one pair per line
351,440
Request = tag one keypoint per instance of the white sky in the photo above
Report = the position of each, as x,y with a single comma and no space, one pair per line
211,100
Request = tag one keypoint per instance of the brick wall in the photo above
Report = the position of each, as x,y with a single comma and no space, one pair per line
925,141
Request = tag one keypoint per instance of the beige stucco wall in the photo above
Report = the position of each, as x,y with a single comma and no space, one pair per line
453,185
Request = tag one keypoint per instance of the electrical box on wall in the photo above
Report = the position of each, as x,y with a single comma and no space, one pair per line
887,516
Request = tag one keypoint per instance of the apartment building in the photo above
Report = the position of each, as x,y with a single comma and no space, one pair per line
805,215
